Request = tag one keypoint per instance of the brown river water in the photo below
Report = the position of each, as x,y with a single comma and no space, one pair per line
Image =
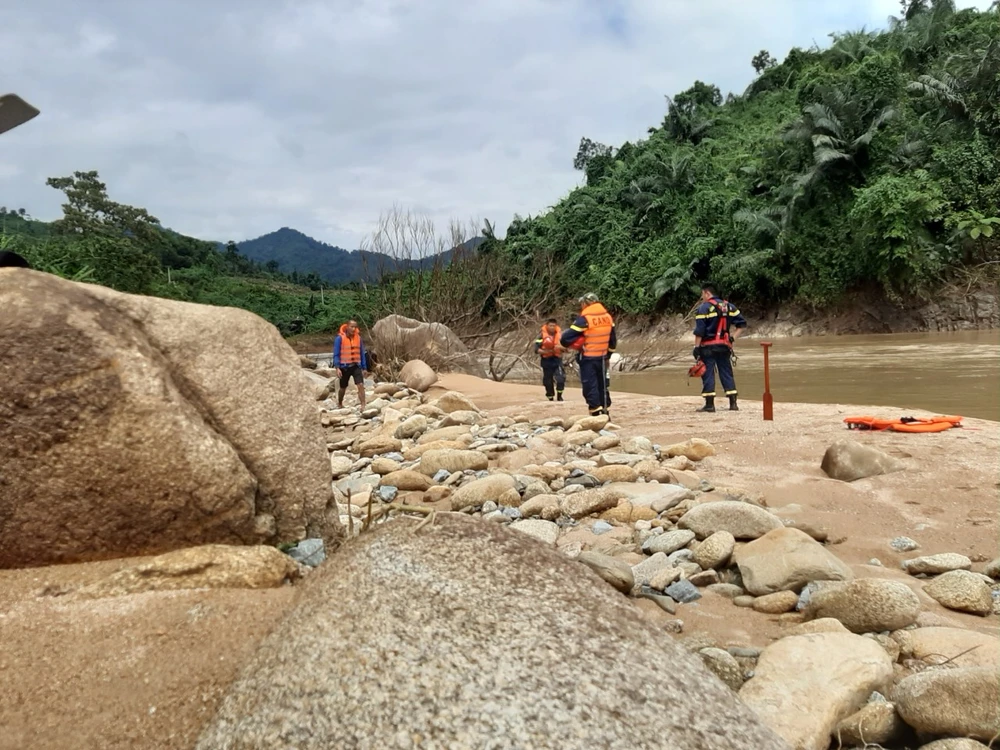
946,373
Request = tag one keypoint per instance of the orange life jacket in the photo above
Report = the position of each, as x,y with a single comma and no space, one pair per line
722,329
350,347
550,343
597,334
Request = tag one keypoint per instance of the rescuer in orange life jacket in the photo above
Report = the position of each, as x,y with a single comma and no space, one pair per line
350,360
717,324
547,347
593,336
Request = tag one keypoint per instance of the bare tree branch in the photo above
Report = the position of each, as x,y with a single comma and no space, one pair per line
475,291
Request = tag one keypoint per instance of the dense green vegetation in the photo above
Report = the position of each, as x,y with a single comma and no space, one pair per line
874,163
101,241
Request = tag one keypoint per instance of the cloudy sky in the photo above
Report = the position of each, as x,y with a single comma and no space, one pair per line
228,119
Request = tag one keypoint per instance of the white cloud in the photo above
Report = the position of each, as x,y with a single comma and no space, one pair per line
232,118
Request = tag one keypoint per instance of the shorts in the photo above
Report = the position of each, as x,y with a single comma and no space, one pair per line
351,371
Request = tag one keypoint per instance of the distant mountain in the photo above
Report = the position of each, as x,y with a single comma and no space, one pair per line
295,251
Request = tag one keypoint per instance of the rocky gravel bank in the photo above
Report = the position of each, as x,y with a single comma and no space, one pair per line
649,520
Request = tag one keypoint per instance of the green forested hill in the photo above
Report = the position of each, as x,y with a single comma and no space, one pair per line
101,241
875,162
292,251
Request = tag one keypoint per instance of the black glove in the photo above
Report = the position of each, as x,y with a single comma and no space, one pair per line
696,352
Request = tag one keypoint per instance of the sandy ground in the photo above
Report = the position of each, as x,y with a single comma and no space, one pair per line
946,499
147,670
140,671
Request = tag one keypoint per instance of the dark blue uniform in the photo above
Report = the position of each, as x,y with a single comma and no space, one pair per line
597,329
553,374
713,321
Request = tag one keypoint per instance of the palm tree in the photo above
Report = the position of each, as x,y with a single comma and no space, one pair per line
851,47
837,134
942,88
685,123
918,35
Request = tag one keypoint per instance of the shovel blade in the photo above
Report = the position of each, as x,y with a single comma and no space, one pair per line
768,408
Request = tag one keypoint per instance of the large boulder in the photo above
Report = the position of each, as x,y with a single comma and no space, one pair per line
957,646
786,560
804,685
866,605
848,460
961,590
875,724
406,480
742,520
418,375
589,502
616,572
466,634
954,743
453,401
410,427
136,425
321,388
715,551
401,338
544,531
694,449
451,461
960,702
937,564
480,491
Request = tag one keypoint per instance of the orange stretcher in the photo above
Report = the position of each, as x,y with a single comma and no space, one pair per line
904,424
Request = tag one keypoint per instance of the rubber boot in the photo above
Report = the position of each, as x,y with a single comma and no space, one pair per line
709,404
732,404
559,396
550,398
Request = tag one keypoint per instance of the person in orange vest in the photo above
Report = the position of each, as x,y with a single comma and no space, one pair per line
547,347
593,336
350,360
718,323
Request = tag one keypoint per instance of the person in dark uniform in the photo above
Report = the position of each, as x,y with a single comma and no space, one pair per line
547,347
717,324
593,336
350,361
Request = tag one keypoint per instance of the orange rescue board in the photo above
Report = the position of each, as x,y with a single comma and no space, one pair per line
904,424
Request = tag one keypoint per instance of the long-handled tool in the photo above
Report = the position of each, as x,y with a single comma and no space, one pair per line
607,385
768,400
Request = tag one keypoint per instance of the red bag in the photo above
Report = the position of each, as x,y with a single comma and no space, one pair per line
697,369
